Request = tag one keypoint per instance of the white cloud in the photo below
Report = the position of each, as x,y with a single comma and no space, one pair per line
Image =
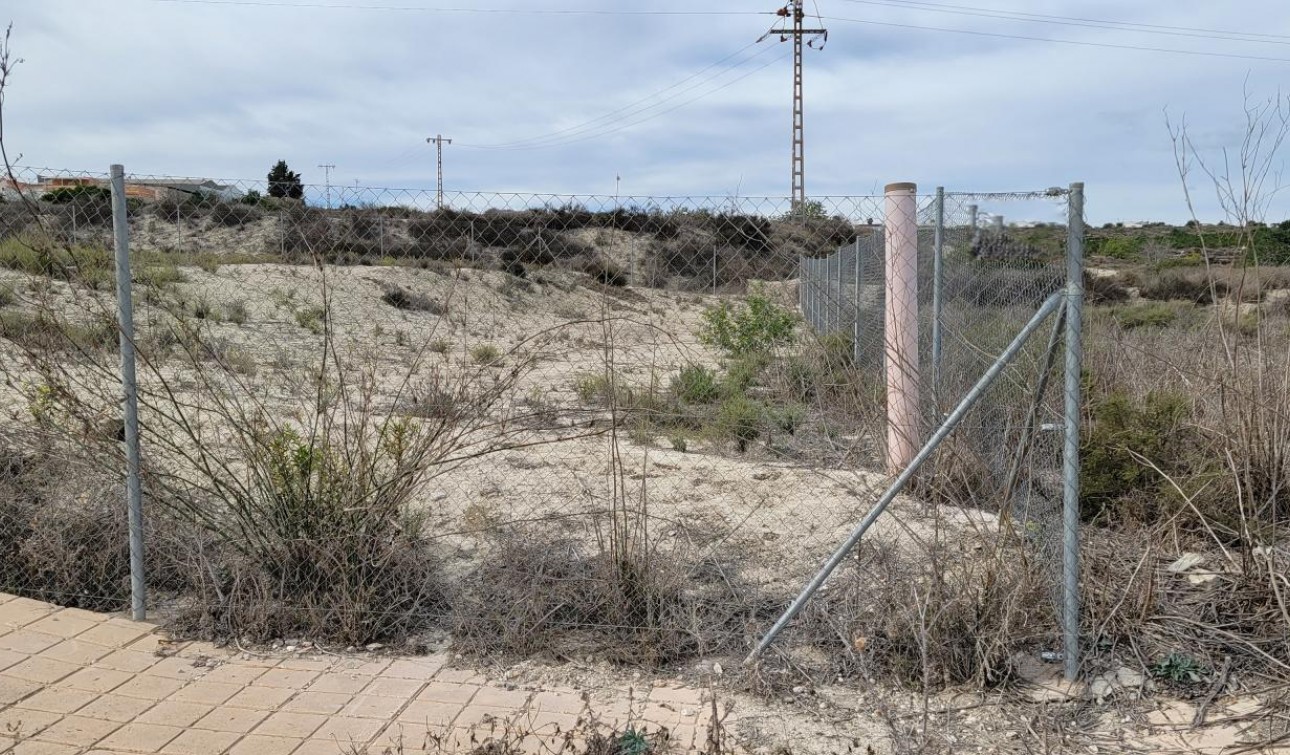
220,90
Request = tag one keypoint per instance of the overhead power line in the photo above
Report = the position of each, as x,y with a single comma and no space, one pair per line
623,118
1075,20
1082,43
455,9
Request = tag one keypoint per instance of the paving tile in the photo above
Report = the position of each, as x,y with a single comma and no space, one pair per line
362,666
23,611
410,738
28,642
96,679
325,747
34,747
115,633
494,697
206,692
415,668
27,723
389,687
41,670
10,658
448,693
317,702
141,737
78,730
260,698
59,700
80,613
479,715
157,644
231,674
681,697
346,729
460,676
240,720
558,702
344,683
373,706
173,713
149,687
116,708
286,679
12,690
177,668
75,651
430,713
288,724
128,660
550,723
254,744
63,624
200,742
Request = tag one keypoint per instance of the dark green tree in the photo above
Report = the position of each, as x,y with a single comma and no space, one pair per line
285,183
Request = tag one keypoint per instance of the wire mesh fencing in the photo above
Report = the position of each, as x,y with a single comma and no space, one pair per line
630,427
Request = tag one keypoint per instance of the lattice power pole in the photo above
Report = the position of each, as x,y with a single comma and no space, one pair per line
327,169
439,141
808,37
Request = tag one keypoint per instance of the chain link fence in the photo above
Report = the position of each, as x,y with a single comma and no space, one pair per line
585,425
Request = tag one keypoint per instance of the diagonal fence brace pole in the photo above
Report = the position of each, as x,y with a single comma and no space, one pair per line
951,422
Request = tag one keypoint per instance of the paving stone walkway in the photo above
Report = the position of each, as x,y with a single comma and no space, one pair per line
73,681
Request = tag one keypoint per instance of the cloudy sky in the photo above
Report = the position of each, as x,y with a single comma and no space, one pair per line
969,94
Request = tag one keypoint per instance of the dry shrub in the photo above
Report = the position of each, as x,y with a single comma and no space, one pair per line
1195,286
943,612
63,534
540,593
1136,609
1105,289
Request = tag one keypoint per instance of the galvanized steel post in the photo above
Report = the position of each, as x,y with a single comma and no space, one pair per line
129,384
1070,455
938,282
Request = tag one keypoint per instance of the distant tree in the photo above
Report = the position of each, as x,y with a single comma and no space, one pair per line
285,183
251,197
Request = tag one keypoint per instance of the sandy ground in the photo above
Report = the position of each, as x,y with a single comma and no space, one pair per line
558,328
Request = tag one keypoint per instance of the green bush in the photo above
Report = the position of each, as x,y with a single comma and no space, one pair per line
1146,315
696,384
756,326
71,194
1116,247
740,419
1112,479
486,354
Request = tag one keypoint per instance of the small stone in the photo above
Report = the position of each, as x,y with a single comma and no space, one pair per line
439,496
375,646
799,690
687,712
716,669
291,648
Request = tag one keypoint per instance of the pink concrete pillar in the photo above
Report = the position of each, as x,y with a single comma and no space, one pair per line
903,431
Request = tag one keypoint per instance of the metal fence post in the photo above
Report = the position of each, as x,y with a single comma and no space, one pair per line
938,282
125,315
855,304
1070,455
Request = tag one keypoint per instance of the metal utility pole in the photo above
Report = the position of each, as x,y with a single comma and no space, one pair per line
327,169
439,141
800,35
